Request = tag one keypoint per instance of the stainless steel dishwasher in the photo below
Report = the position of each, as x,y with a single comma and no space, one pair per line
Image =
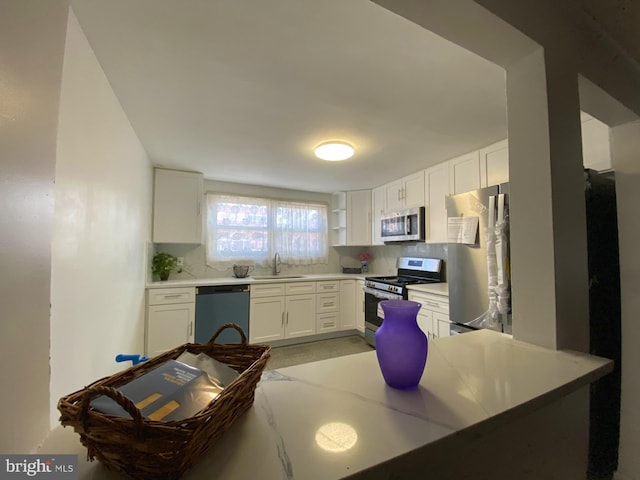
220,304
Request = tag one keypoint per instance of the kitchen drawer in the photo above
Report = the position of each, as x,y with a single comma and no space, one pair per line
328,286
166,296
327,302
435,303
298,288
327,322
267,290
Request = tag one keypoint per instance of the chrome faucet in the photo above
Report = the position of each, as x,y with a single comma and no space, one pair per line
276,264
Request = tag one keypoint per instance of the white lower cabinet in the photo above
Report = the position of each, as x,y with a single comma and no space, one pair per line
170,319
360,306
347,304
327,322
266,319
441,325
433,316
300,313
278,311
328,306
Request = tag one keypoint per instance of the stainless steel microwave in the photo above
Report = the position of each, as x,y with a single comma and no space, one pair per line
403,225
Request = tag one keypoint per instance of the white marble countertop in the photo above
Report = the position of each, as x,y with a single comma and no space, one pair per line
200,282
334,418
435,288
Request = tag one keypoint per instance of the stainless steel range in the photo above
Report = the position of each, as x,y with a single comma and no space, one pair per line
411,271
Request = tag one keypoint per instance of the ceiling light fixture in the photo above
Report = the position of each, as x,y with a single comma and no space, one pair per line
334,151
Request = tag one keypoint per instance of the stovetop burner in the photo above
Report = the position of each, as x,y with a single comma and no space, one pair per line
411,271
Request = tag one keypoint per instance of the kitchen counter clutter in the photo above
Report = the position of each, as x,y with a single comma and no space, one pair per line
486,404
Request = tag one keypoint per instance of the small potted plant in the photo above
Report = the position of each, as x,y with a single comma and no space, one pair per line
164,264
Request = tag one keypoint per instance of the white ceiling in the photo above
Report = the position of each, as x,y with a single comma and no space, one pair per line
243,90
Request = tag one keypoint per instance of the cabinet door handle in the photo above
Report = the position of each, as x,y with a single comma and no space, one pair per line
326,325
287,322
190,329
175,295
432,304
283,319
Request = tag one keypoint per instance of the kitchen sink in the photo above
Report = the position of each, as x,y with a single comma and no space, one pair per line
271,277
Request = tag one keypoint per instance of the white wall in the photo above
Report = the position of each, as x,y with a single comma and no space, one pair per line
31,50
101,227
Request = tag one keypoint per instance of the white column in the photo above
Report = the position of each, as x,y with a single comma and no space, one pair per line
548,225
31,48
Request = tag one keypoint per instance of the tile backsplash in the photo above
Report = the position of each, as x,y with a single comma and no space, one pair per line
383,261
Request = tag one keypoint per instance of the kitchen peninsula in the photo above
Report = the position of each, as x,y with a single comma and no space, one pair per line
487,406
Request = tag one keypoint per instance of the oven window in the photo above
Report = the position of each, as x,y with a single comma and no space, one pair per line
371,309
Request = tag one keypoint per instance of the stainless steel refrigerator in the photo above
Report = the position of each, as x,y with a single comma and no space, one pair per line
478,258
467,275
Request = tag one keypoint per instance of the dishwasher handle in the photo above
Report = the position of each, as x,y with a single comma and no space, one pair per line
213,289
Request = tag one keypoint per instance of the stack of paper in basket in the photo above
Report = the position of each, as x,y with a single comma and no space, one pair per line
175,390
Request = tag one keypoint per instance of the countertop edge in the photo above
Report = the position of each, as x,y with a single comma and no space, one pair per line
196,282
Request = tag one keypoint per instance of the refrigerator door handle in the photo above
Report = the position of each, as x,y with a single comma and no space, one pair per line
492,212
501,215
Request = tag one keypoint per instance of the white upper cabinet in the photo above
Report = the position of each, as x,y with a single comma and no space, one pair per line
494,164
436,191
393,193
359,217
413,194
378,206
406,192
177,207
464,173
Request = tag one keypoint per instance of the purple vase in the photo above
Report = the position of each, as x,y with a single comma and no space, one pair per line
401,345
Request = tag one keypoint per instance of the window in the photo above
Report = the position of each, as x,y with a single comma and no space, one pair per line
254,229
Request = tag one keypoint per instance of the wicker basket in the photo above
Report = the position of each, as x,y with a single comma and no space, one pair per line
146,449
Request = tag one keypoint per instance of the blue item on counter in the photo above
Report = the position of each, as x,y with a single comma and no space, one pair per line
135,358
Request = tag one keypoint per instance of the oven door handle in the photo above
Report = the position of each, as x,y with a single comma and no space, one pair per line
381,294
